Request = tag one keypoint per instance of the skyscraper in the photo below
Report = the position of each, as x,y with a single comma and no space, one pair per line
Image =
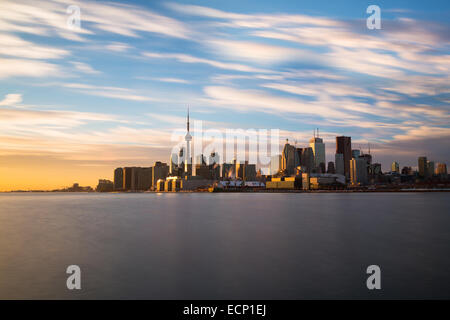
344,147
118,179
173,165
159,171
214,158
135,172
358,171
422,164
441,169
188,162
228,171
318,148
395,167
289,159
306,159
331,168
339,163
430,168
275,164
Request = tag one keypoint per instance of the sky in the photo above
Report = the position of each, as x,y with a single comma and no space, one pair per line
75,103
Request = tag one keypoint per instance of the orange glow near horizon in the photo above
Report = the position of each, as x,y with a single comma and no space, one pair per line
50,177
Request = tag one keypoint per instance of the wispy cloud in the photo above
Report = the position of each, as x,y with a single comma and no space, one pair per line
28,68
84,67
108,92
11,99
191,59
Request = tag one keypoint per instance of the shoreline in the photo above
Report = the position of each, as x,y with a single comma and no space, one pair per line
250,191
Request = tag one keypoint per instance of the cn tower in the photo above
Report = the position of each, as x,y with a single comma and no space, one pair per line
188,139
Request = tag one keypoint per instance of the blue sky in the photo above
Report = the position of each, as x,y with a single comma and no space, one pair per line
111,93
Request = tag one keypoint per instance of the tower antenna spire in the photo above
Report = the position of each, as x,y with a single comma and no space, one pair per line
188,118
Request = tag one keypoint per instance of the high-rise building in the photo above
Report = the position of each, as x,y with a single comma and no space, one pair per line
430,168
127,178
214,158
250,172
344,147
356,153
245,171
321,168
275,164
318,148
395,167
375,170
367,157
331,168
104,186
181,157
228,171
289,159
160,171
407,171
339,163
145,178
200,159
118,179
358,171
173,165
306,159
135,172
203,170
423,172
215,171
441,170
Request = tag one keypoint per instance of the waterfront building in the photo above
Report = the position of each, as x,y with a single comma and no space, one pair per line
229,171
339,163
214,158
203,170
358,171
249,172
407,171
367,157
441,169
159,185
173,165
395,167
245,171
318,149
200,159
104,186
344,147
275,164
135,172
127,178
144,180
331,168
321,168
118,179
356,153
289,159
160,172
285,183
422,164
306,159
430,168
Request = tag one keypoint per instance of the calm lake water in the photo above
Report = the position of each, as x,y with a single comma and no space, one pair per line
224,246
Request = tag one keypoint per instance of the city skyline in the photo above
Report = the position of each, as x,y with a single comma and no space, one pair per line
75,104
